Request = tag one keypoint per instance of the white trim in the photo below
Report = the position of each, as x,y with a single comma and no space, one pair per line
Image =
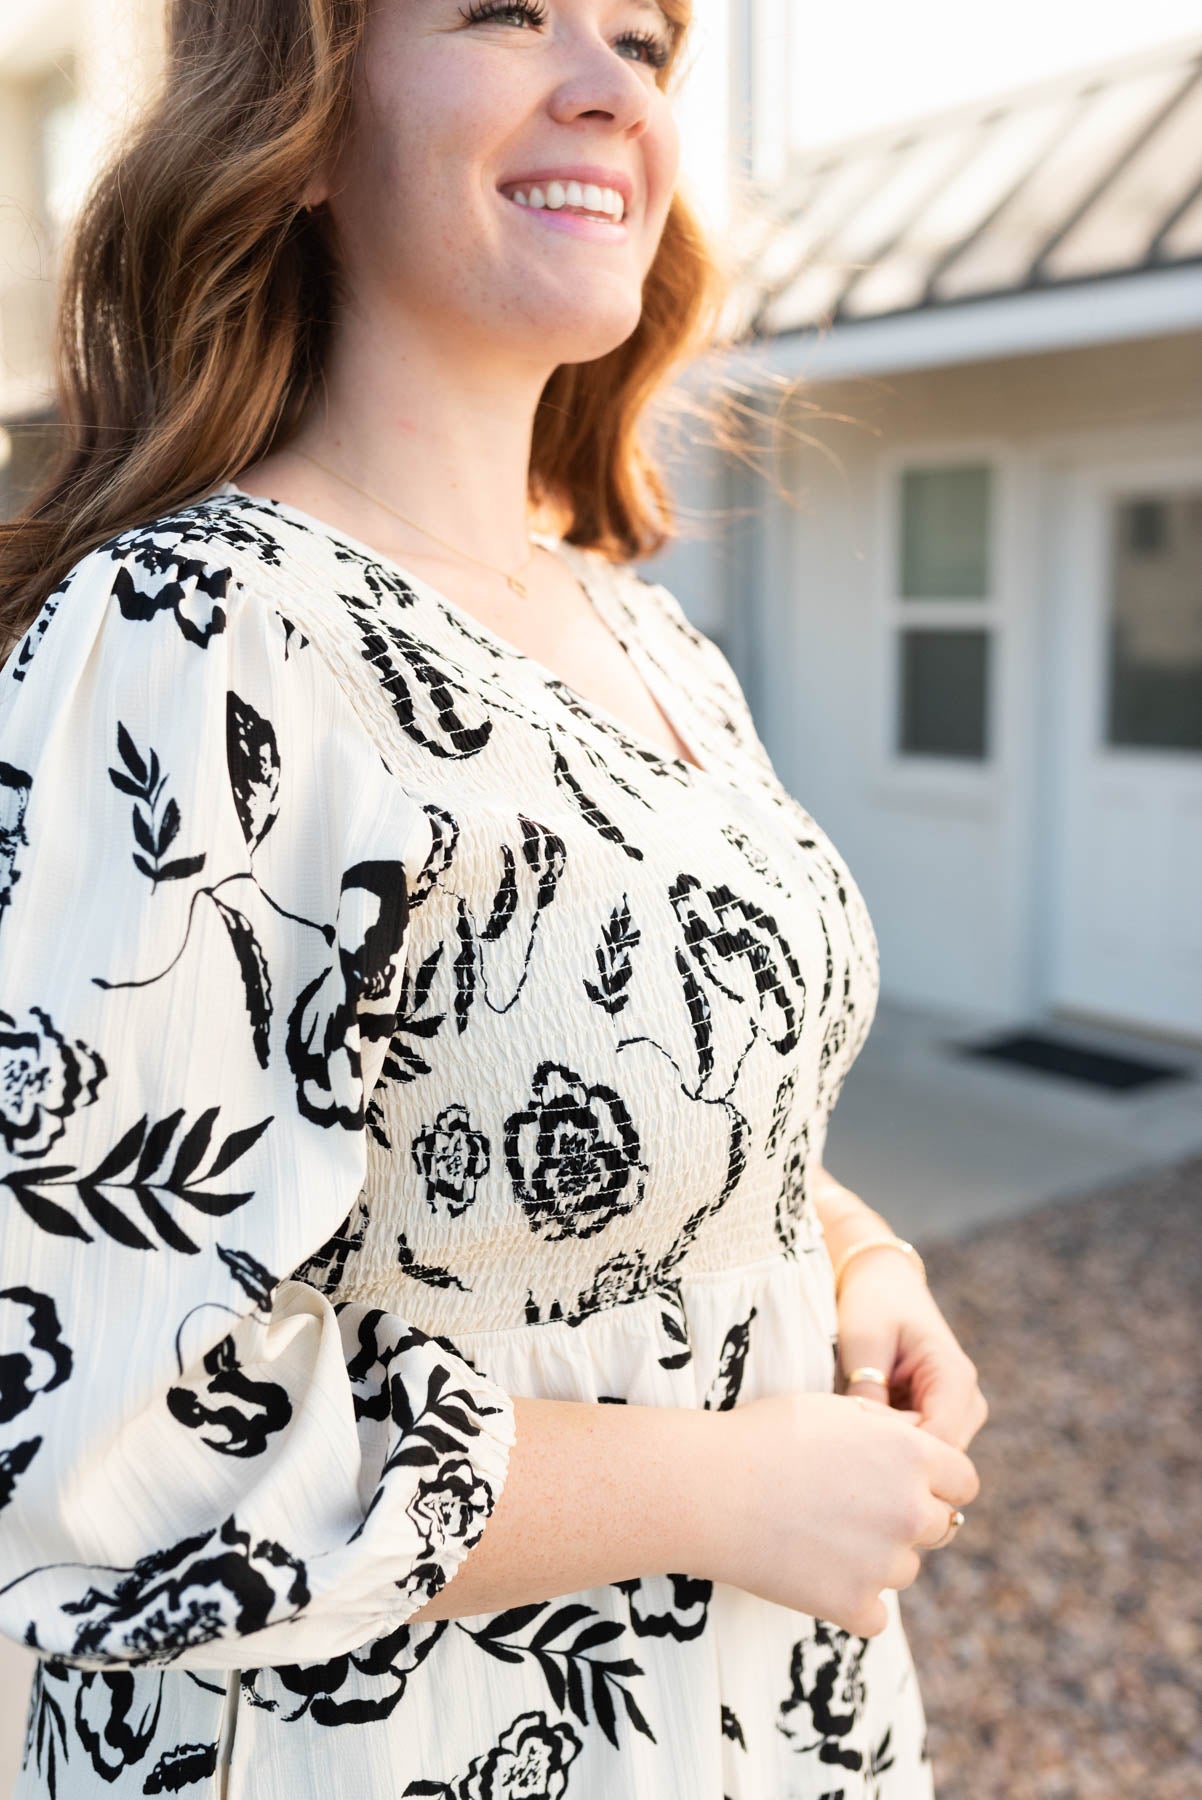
1150,303
964,786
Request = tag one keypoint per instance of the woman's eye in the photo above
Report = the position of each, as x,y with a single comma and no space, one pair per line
653,51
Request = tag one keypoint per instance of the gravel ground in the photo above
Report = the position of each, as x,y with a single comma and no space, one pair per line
1058,1638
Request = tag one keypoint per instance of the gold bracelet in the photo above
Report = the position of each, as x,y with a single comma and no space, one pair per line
895,1243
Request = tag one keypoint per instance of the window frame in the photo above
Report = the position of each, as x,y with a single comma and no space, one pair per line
934,776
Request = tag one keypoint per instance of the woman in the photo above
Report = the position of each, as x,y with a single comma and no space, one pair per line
423,1004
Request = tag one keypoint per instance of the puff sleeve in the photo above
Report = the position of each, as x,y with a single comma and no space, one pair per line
204,877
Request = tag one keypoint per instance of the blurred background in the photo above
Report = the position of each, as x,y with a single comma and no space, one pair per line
961,581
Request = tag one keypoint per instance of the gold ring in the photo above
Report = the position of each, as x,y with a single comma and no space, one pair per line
867,1373
954,1521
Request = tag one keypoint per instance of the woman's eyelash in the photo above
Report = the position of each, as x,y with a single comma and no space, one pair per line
658,52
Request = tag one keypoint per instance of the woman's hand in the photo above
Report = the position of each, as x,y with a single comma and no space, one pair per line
818,1503
888,1319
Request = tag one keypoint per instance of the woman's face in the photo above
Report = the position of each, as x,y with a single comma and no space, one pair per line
459,103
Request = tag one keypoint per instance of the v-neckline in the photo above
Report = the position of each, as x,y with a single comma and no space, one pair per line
595,593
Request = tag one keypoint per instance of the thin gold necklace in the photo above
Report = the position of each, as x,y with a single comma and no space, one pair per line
517,586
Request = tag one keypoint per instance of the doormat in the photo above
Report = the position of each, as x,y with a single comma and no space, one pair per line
1057,1056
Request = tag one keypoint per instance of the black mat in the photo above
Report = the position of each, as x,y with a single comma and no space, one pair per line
1059,1056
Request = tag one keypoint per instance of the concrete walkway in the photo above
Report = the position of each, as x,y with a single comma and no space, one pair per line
941,1144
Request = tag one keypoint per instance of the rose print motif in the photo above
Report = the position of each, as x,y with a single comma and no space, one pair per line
181,1767
573,1156
237,1413
43,1364
13,1462
742,952
116,1718
349,1001
623,1277
218,1582
14,798
668,1606
182,585
374,1676
826,1698
450,1508
530,1762
452,1158
43,1080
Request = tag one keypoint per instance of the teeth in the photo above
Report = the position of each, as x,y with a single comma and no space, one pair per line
586,197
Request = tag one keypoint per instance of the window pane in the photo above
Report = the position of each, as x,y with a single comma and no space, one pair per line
943,677
1155,693
945,533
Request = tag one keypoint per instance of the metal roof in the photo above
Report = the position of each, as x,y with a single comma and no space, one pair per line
1074,179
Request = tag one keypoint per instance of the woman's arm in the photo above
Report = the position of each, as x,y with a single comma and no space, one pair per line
888,1319
596,1493
844,1217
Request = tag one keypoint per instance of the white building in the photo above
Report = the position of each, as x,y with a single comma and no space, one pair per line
970,624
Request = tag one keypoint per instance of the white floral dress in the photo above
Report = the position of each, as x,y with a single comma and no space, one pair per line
385,1031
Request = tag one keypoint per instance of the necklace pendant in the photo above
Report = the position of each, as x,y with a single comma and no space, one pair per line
517,586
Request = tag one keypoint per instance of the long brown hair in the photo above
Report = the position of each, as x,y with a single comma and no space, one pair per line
196,296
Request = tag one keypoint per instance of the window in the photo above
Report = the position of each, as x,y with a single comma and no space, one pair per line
1154,693
943,610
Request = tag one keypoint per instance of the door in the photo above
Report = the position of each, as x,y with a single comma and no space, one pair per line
1125,699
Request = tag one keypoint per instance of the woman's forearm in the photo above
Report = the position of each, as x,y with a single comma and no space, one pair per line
595,1493
844,1217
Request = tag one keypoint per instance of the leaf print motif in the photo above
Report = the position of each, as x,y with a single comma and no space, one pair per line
149,1148
614,966
452,1158
253,758
256,977
44,1080
430,1273
326,1268
724,1389
46,1723
45,1361
154,836
573,1155
604,1675
15,787
403,1062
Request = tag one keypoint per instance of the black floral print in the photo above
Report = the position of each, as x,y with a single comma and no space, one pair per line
43,1080
573,1155
388,1030
452,1158
14,799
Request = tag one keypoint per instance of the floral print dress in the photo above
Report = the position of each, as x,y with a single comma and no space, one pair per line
386,1030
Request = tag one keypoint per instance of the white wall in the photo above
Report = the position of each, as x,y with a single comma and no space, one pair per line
954,870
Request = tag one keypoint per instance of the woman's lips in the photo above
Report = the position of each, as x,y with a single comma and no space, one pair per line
601,231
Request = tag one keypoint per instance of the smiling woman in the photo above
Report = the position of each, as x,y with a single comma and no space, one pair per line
421,1003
